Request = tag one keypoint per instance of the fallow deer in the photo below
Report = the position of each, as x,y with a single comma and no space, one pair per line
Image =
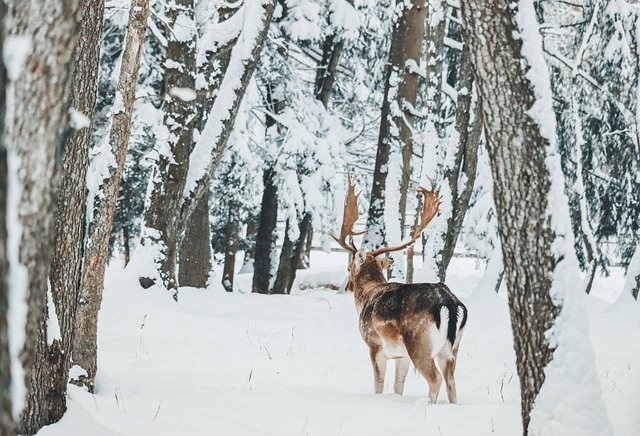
420,322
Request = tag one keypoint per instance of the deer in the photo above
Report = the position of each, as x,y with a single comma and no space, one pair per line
418,323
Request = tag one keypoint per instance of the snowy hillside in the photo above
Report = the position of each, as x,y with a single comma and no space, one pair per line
247,364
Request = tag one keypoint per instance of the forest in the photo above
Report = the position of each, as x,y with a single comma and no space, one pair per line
191,189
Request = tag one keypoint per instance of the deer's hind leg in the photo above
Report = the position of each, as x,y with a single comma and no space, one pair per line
379,362
402,368
420,352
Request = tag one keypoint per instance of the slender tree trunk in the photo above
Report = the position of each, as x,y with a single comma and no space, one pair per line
170,172
518,153
408,91
66,265
388,139
37,130
265,243
462,174
195,249
7,423
285,266
231,249
96,251
326,75
250,236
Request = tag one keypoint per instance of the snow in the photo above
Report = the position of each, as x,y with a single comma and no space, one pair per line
247,364
53,324
78,120
16,50
184,94
17,298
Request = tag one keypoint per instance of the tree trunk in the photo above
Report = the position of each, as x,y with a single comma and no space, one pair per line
408,91
326,74
250,253
66,266
517,151
462,174
231,236
195,249
265,243
170,172
285,264
37,130
97,248
7,423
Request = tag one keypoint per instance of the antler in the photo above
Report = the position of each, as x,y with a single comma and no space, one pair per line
349,218
430,208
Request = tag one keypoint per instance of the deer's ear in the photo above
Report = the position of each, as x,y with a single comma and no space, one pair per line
361,256
386,262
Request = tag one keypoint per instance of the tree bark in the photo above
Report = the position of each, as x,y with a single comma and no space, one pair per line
97,248
195,249
7,423
517,152
37,130
66,265
170,172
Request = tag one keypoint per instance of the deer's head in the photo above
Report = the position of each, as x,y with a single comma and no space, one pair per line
366,265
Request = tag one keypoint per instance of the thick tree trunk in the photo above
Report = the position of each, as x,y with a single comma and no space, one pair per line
462,174
517,152
37,130
265,243
195,249
66,266
7,423
97,248
170,172
231,236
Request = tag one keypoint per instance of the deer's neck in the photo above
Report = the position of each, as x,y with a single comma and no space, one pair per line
367,283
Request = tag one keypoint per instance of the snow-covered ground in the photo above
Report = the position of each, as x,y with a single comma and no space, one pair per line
244,364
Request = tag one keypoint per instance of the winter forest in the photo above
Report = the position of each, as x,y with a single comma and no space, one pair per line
279,217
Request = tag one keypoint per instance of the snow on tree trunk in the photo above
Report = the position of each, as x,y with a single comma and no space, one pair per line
70,229
632,284
7,423
161,233
208,151
38,58
104,182
434,132
554,360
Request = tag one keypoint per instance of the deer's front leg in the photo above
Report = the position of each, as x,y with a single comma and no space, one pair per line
379,362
